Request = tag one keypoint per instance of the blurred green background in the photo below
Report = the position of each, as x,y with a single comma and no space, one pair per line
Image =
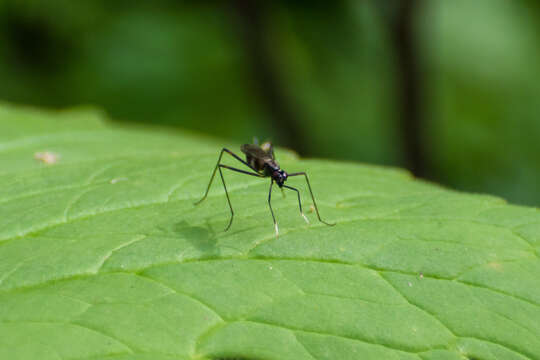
448,89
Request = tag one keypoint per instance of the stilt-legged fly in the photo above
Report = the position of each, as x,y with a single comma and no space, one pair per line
261,160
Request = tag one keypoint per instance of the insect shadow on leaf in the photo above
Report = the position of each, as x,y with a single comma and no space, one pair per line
203,238
261,161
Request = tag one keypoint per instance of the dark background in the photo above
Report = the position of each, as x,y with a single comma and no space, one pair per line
447,89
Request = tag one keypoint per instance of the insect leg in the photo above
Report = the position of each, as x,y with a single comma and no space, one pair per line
270,205
228,200
240,171
312,197
299,202
237,158
217,166
225,187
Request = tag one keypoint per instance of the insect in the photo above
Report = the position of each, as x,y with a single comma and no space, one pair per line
262,161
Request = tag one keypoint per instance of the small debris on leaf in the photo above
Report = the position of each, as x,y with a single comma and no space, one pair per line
47,157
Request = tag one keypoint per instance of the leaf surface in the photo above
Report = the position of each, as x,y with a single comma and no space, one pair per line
104,256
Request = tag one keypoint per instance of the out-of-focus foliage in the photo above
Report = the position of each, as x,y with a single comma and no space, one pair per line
484,95
152,62
185,64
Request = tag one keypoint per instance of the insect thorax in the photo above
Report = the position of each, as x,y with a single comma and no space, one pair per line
270,166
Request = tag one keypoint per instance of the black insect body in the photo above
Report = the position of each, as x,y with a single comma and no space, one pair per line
261,160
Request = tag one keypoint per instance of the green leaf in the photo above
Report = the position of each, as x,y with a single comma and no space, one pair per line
104,256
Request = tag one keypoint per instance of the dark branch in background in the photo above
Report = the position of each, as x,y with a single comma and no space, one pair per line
254,36
401,20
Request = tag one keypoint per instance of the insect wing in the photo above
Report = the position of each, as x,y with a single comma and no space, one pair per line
256,152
